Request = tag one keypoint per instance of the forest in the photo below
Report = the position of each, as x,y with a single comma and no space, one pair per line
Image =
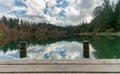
106,18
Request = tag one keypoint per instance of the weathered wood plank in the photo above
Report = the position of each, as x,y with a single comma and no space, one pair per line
41,61
60,66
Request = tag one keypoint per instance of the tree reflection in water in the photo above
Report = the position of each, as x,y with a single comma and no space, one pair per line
105,47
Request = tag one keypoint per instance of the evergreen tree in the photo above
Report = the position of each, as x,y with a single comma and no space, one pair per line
4,20
117,16
103,17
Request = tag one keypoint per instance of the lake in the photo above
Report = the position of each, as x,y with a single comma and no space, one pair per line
66,47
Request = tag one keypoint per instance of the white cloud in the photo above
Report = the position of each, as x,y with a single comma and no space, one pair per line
80,10
74,12
58,50
9,3
8,15
19,8
9,55
51,3
89,18
6,5
55,11
35,7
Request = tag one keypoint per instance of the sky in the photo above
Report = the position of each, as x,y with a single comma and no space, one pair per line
59,12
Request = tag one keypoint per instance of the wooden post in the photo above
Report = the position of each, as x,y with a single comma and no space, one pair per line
85,49
0,45
22,49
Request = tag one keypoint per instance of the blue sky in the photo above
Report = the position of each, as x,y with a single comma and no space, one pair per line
59,12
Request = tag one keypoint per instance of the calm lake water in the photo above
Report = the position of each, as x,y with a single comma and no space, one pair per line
60,47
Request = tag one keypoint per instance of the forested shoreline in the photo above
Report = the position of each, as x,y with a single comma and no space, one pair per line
106,18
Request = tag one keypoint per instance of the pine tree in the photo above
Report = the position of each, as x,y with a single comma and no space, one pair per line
117,16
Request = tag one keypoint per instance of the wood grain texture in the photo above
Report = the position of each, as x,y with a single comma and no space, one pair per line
60,66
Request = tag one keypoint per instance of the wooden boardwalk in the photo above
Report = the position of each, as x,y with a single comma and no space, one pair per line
85,66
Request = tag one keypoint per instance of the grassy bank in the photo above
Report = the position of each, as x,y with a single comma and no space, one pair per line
100,34
86,34
108,34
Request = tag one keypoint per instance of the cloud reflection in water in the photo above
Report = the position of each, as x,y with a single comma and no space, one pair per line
58,50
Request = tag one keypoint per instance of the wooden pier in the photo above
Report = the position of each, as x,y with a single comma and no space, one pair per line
85,66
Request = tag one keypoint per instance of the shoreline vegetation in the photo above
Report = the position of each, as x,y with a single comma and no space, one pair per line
99,34
106,21
84,34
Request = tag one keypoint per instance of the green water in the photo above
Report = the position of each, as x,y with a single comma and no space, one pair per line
68,47
106,47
